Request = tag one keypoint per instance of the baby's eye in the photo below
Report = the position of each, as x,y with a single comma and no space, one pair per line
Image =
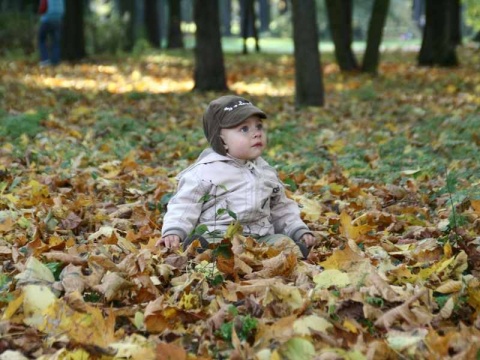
259,126
244,129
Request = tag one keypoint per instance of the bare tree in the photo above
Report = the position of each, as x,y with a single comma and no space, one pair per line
371,58
73,39
308,74
340,20
439,36
249,26
174,38
152,23
209,67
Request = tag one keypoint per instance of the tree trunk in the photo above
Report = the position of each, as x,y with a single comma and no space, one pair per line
226,17
209,67
73,38
264,15
249,27
438,46
152,23
371,58
340,14
175,38
308,73
127,9
456,30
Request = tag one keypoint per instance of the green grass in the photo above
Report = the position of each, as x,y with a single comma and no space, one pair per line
13,126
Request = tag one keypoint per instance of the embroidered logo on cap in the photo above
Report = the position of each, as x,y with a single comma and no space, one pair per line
236,104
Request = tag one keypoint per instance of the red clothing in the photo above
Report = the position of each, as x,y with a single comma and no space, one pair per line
42,9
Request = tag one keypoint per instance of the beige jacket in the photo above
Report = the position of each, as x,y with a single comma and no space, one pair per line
249,189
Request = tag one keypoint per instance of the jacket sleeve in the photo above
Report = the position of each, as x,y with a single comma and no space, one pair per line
286,218
185,207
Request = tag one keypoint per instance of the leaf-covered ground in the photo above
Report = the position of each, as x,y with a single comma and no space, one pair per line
387,174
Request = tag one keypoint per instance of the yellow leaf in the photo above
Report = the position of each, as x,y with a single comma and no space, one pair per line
37,298
12,307
135,347
234,228
138,320
306,324
297,349
7,225
350,231
331,277
189,301
37,189
345,259
447,250
311,209
350,326
336,146
474,298
290,295
451,88
476,206
84,328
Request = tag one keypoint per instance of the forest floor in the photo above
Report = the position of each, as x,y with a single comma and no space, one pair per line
387,174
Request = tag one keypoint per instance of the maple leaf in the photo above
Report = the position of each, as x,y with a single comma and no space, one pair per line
351,231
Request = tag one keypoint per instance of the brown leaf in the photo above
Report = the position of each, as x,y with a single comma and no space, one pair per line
71,221
113,286
72,279
170,352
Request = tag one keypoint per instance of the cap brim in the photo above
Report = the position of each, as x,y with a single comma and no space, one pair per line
240,115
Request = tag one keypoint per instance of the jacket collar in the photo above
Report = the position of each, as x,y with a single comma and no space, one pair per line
208,156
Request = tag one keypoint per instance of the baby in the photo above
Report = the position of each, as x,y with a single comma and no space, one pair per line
230,181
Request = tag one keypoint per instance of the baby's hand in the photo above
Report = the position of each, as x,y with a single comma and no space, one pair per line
309,239
170,242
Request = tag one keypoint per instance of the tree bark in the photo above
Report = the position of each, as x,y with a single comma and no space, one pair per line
209,73
264,15
340,14
438,45
152,23
249,27
226,17
456,30
308,74
127,8
73,37
378,18
175,38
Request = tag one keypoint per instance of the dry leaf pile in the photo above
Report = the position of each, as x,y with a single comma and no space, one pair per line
79,218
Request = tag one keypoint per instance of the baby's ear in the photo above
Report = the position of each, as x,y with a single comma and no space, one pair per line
223,142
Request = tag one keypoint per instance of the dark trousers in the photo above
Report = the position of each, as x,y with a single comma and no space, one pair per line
49,41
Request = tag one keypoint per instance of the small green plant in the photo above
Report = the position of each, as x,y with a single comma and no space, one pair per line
5,282
455,198
55,268
245,326
375,301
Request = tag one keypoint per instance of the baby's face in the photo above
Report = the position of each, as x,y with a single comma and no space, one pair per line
247,140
